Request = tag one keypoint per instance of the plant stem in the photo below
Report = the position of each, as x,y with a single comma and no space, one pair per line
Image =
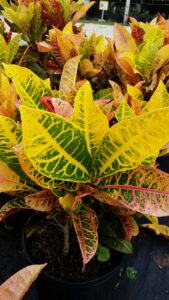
66,239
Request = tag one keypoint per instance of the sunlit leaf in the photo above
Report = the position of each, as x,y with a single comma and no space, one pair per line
159,99
124,111
60,153
158,229
89,117
129,142
123,39
29,86
68,77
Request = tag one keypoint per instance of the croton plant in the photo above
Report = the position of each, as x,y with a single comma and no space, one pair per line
80,141
71,162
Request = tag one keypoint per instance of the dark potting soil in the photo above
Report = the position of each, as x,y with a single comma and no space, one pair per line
47,246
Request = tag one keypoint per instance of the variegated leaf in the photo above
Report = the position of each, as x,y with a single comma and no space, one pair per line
38,178
124,111
105,93
162,58
17,285
42,201
159,99
68,78
12,207
144,190
13,48
89,117
10,181
56,148
153,40
134,92
4,49
158,229
130,226
10,135
29,86
129,142
86,227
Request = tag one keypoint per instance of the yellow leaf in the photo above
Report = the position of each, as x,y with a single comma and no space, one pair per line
29,86
68,78
128,143
159,99
56,148
89,117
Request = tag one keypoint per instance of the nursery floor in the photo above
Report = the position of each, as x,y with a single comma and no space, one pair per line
150,259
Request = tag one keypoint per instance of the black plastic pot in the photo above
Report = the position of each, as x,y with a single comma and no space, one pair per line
51,288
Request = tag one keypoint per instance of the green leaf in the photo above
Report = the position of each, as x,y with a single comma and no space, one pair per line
105,93
124,111
103,253
4,3
29,86
13,48
128,143
112,235
56,148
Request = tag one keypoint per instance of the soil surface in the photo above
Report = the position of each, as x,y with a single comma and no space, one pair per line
47,246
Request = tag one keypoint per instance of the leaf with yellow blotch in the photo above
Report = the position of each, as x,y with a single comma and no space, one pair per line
38,178
158,229
13,47
86,226
89,118
4,49
162,58
124,111
29,86
129,142
123,40
70,203
10,181
68,78
159,99
42,201
153,220
134,92
144,190
153,40
82,11
117,92
130,226
23,279
125,70
55,146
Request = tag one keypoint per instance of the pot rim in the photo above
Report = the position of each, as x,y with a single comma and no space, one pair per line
89,283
